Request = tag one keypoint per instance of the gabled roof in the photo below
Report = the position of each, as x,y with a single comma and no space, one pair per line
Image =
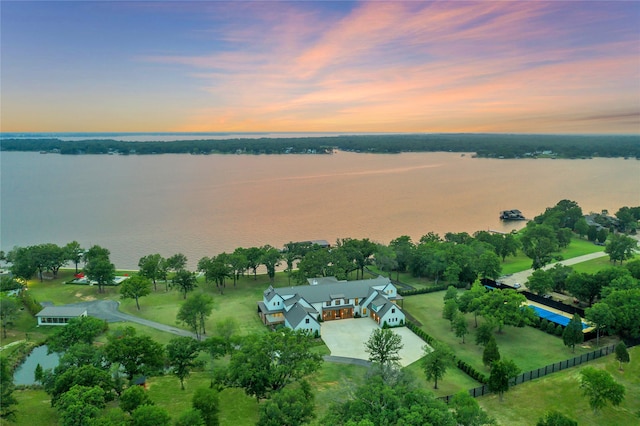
297,313
382,312
62,312
322,291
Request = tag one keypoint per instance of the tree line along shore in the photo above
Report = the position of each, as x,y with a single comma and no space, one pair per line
480,145
109,396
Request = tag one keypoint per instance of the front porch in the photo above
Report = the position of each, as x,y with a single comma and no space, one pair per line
338,312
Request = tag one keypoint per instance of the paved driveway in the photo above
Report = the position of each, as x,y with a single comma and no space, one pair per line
347,337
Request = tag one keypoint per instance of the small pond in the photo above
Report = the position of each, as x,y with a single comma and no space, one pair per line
25,373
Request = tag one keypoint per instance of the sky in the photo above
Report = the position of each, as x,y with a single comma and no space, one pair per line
320,66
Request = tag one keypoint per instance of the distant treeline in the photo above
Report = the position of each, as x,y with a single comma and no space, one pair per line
483,145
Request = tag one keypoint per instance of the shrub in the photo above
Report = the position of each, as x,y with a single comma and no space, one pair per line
551,328
559,330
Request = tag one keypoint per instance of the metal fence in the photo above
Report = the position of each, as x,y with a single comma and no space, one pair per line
543,371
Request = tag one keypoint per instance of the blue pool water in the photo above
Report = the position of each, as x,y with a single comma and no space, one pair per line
553,317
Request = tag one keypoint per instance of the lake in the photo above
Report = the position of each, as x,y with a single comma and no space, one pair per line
203,205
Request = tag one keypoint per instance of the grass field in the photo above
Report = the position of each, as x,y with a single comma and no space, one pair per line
529,347
526,403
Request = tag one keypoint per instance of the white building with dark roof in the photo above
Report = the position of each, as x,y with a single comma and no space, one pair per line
329,299
59,315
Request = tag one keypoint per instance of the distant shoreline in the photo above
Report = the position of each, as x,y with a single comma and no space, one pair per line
506,146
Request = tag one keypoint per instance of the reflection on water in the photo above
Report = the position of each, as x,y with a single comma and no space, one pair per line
25,373
203,205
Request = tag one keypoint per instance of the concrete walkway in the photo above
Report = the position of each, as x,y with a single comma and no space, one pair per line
108,310
523,276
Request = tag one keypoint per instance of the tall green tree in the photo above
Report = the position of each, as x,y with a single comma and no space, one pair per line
23,263
176,262
491,353
436,362
7,400
185,281
135,287
289,406
489,265
270,258
539,242
468,412
470,300
150,415
385,259
621,248
254,257
152,267
403,248
207,402
504,307
9,308
137,354
237,263
384,346
600,388
625,306
572,334
78,330
554,418
98,267
502,373
540,282
80,404
622,355
195,311
181,354
460,326
133,397
601,316
73,252
265,363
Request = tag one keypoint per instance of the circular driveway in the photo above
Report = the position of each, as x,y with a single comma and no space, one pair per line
347,338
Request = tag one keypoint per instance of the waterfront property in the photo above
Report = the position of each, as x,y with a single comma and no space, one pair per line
59,315
328,299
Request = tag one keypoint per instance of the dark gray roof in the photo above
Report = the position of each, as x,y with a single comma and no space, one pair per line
61,311
269,293
386,308
322,292
292,300
296,314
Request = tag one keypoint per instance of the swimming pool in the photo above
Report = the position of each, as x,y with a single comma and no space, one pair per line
553,317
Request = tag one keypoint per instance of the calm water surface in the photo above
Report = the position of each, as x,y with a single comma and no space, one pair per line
203,205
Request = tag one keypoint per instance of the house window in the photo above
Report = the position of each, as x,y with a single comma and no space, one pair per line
393,310
335,302
306,321
356,301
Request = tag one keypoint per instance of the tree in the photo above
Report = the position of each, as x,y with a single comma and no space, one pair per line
600,388
177,262
573,334
137,354
436,362
385,259
384,346
554,418
237,263
539,242
265,363
253,255
80,404
622,355
625,306
135,287
540,282
195,311
508,246
601,316
192,417
133,397
270,258
468,412
491,353
470,300
502,372
22,262
150,415
504,307
98,267
484,333
205,400
288,407
9,308
584,286
152,267
7,400
450,310
73,253
78,330
185,281
621,248
181,354
460,326
489,265
403,248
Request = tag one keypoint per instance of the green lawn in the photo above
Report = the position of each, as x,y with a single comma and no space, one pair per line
529,347
526,403
454,380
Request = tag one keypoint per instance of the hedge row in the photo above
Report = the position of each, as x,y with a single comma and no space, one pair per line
30,303
466,368
472,372
432,289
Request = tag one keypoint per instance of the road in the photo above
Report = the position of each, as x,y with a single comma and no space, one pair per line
108,311
523,276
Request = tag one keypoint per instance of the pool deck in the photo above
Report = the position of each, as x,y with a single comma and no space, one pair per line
558,312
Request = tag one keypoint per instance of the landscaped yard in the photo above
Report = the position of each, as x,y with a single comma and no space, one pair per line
529,347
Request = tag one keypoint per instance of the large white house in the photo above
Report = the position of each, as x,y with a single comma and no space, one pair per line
301,308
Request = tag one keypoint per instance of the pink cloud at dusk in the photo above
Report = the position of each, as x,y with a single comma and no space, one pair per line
534,67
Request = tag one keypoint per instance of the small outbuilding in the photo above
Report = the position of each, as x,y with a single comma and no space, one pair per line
59,315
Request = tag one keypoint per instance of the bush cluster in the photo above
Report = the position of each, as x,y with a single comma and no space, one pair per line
432,289
420,333
30,303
